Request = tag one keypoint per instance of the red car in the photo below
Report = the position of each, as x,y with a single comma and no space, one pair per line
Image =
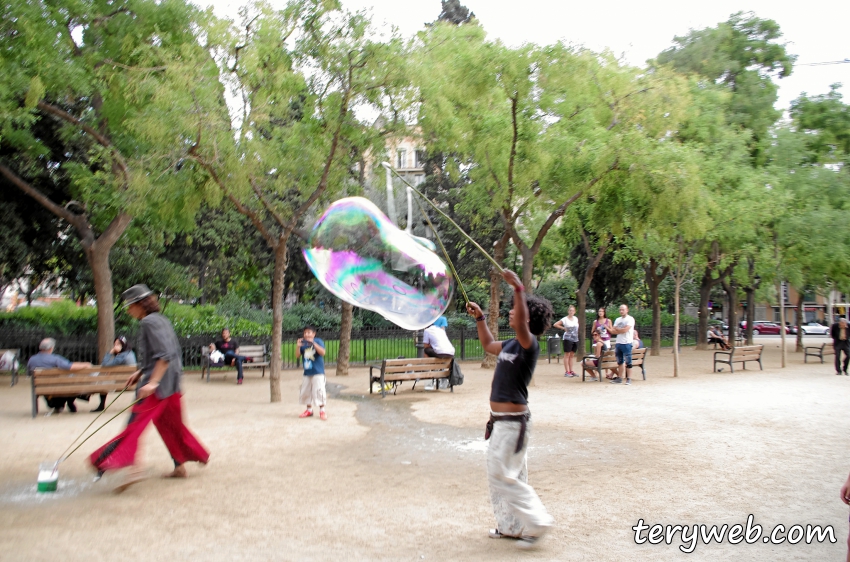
763,327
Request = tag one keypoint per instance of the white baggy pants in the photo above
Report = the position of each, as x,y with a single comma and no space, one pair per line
312,390
518,510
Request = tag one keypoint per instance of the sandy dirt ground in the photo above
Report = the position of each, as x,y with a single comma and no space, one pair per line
403,478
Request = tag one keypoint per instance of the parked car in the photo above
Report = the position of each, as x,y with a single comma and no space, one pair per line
764,327
813,328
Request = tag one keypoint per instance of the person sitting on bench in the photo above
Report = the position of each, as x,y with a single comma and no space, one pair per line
437,345
716,337
230,348
46,359
120,354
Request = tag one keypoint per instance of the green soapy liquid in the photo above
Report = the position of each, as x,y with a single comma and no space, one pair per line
47,480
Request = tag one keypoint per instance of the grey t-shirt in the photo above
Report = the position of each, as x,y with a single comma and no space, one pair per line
47,361
157,340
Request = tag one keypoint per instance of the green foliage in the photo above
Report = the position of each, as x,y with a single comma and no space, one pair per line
742,54
560,292
62,317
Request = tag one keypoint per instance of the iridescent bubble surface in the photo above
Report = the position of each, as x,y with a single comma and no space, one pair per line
360,256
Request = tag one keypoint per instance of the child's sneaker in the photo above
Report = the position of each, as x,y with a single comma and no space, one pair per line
306,414
323,416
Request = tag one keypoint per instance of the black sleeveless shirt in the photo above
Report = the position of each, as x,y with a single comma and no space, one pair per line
514,369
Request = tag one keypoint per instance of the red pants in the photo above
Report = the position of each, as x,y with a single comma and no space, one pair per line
167,417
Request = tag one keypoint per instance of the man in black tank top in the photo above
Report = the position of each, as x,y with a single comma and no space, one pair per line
519,512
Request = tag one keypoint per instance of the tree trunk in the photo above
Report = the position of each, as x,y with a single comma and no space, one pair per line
527,268
799,320
581,294
705,287
781,321
653,281
495,296
280,265
344,339
829,311
581,308
678,285
731,289
751,313
751,299
98,258
202,273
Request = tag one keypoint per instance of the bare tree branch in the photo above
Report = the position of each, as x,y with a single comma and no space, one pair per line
78,221
101,139
275,215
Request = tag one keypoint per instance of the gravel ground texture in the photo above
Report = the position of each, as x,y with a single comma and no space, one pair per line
403,477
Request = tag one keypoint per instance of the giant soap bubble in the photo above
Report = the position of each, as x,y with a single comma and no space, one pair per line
360,256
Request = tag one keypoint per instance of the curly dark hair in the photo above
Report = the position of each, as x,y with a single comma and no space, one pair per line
540,313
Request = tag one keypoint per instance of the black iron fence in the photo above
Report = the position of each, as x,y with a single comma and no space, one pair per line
367,345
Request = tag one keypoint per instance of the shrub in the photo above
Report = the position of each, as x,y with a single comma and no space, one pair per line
60,318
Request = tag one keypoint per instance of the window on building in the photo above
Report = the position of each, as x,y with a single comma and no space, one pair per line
418,180
401,160
420,158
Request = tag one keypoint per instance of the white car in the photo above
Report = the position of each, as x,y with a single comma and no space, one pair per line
813,328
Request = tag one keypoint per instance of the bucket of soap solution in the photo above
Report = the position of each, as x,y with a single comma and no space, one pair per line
48,476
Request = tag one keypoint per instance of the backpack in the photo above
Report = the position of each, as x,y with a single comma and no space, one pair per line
456,377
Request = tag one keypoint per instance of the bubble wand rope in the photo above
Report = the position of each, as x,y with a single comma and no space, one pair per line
445,253
447,217
133,403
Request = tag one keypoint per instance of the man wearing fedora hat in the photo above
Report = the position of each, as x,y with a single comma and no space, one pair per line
158,393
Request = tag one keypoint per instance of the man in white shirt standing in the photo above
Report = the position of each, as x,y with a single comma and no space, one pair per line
624,327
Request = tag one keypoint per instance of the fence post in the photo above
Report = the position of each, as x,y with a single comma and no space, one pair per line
364,348
462,344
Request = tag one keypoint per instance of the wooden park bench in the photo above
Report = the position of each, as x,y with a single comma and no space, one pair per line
14,366
818,351
258,354
743,355
91,380
396,371
609,361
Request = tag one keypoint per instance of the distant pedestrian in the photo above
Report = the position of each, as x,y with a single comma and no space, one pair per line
624,328
841,343
311,351
569,324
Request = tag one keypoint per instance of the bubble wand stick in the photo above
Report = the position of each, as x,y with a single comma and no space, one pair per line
133,403
445,253
62,457
445,216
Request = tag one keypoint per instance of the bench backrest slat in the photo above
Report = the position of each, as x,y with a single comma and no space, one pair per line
415,369
124,369
416,361
253,351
